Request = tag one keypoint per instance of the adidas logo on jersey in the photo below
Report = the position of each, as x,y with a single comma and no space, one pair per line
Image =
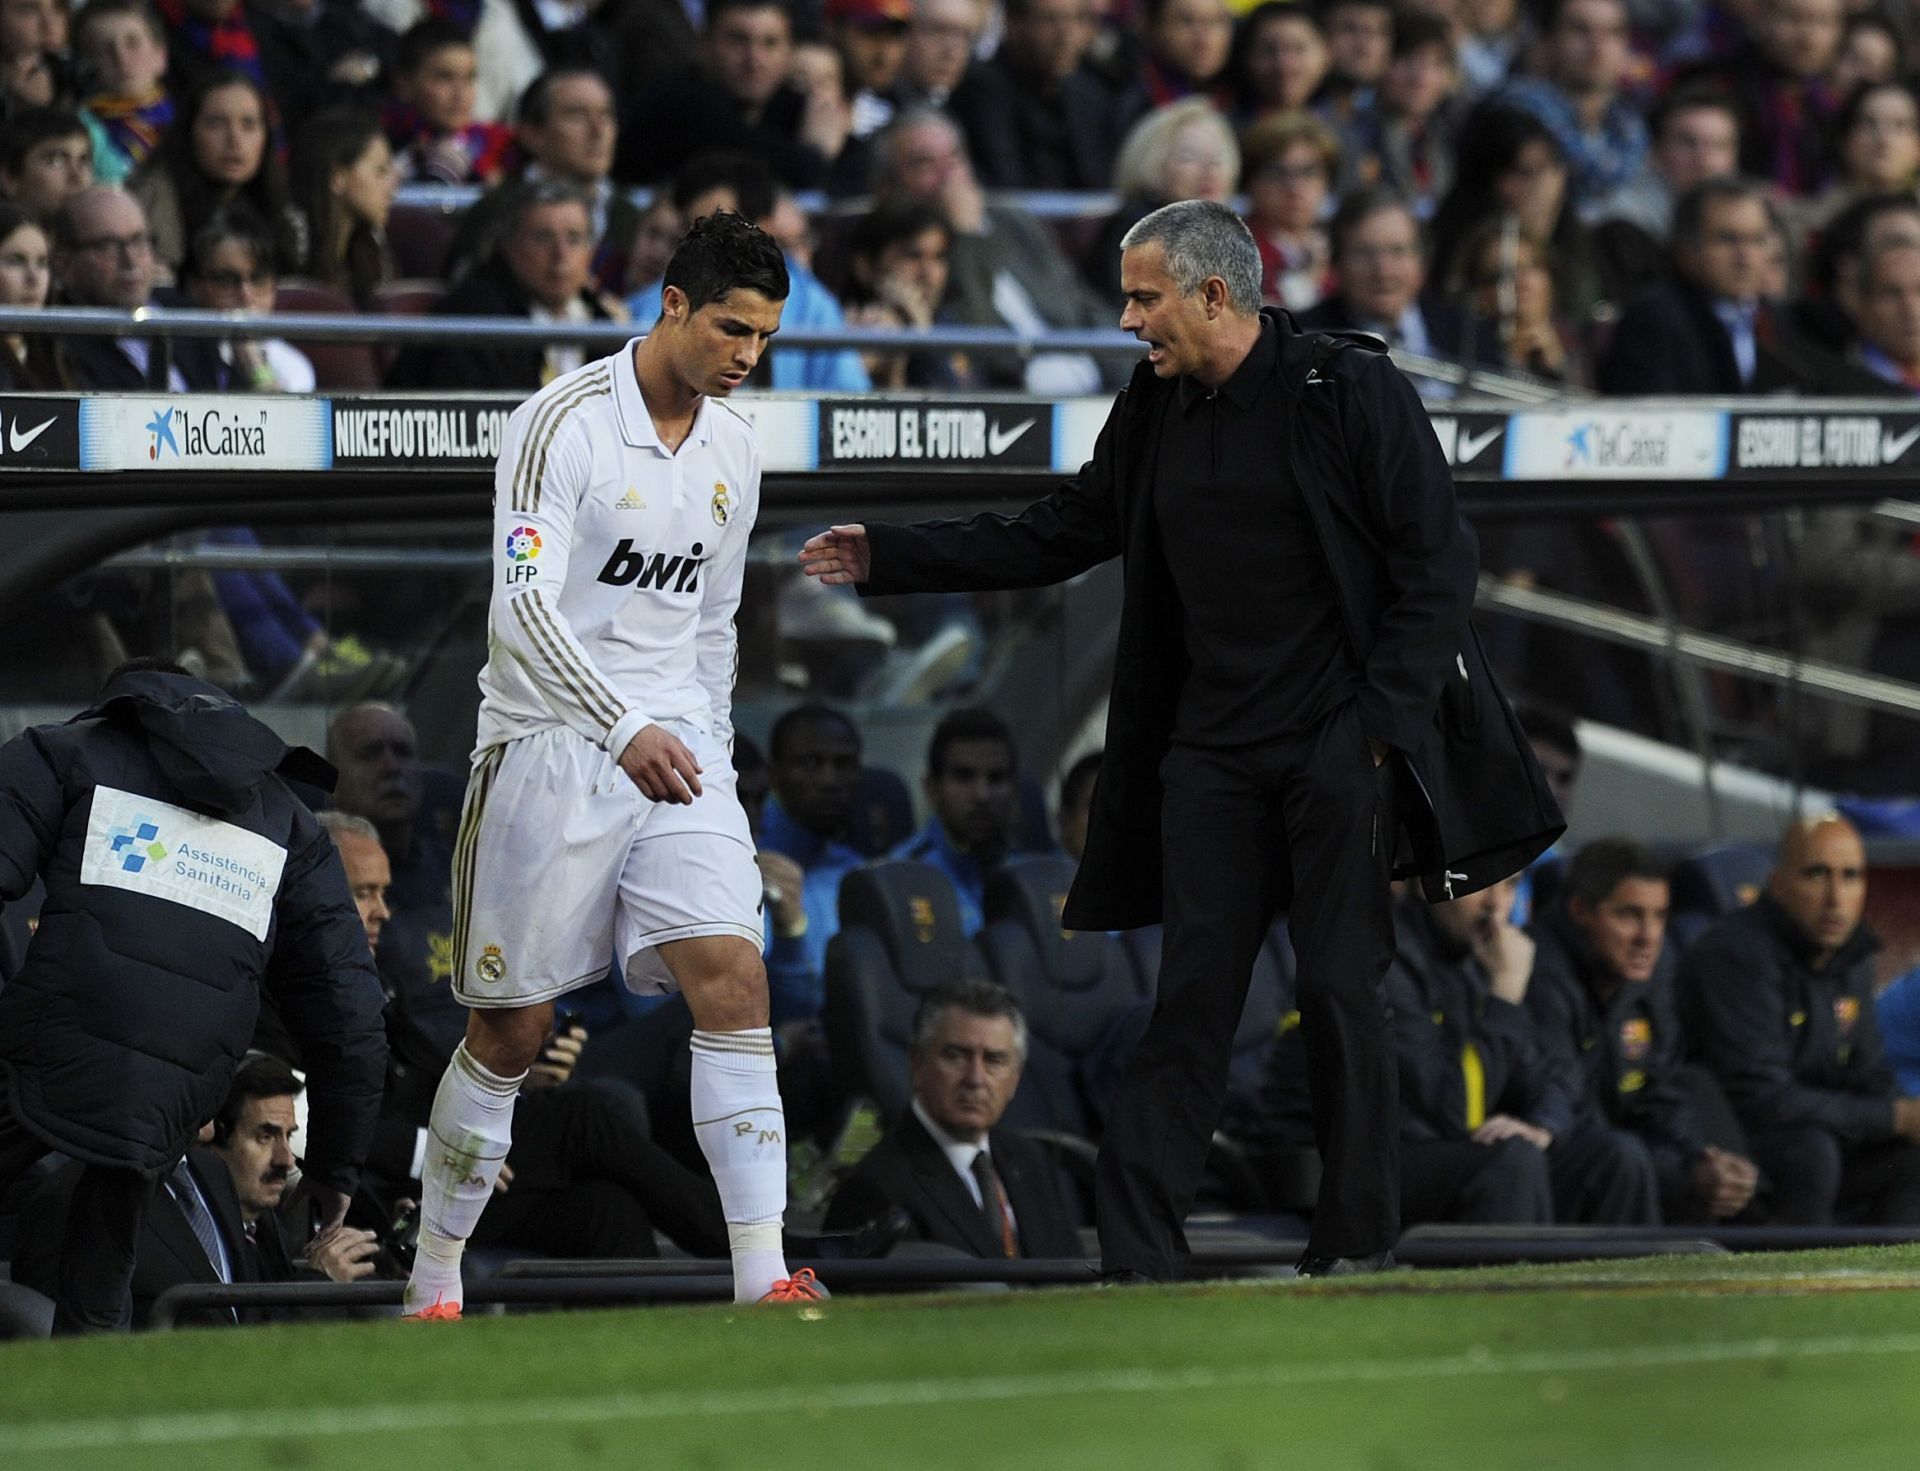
656,571
630,501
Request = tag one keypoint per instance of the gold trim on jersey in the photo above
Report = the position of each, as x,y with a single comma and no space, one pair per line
531,468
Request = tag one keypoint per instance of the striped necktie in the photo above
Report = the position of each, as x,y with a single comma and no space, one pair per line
993,1204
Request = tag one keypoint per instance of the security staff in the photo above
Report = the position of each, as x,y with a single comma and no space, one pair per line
1602,1003
182,876
1299,711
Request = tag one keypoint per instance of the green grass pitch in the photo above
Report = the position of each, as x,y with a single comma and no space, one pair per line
1691,1363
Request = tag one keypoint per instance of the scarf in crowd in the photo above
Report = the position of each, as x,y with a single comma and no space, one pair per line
135,124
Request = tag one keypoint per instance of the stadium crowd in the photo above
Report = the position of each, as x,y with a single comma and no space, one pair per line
1626,195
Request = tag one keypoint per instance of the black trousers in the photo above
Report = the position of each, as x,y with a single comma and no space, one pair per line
1304,823
1808,1177
1603,1177
1458,1182
103,1230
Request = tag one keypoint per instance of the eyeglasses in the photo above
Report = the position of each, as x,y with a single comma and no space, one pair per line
138,244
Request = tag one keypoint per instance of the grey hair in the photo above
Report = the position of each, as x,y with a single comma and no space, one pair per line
1203,239
524,198
884,145
980,998
338,823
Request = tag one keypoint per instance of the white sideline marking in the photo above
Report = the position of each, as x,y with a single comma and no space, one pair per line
50,1436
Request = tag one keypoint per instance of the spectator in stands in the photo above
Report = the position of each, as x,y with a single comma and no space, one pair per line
1777,1001
1709,330
743,184
1359,50
1288,163
1877,151
514,45
1007,270
46,158
1500,273
103,256
30,362
319,54
972,785
431,122
33,61
740,99
897,269
1495,35
541,270
1406,139
1579,97
1076,804
254,1133
1380,270
1602,1004
217,154
1036,116
659,230
1872,49
1825,313
941,38
1888,309
116,1047
1279,61
871,36
1779,82
343,178
815,771
1184,150
962,1180
122,51
567,130
229,267
1695,137
1188,42
205,37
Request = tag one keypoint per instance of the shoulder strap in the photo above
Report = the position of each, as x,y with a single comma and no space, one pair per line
1327,347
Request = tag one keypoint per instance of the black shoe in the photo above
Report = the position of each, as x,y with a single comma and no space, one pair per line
1343,1266
1126,1277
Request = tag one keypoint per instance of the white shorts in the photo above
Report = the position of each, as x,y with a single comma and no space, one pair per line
563,866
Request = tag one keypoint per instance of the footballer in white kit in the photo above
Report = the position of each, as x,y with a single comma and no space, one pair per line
601,817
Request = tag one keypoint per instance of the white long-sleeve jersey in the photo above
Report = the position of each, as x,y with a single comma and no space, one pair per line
617,566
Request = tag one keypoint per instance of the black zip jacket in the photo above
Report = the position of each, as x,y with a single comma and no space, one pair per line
1473,806
1793,1046
182,875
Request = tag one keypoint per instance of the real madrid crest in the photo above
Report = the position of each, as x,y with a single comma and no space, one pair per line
492,965
719,503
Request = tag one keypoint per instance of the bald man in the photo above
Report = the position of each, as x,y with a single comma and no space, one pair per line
1777,1001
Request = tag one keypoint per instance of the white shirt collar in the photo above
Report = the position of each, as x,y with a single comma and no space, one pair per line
636,424
959,1153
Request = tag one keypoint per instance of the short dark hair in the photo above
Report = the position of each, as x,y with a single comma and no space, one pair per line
971,724
424,37
893,220
750,177
1848,118
1693,97
28,129
234,222
1079,777
724,253
979,998
535,108
1415,30
1604,864
1690,210
1548,726
718,8
140,10
807,717
259,1076
1361,205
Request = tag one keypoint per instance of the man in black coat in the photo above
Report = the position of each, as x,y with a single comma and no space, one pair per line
963,1181
1299,711
1602,1003
1777,1001
1035,116
182,876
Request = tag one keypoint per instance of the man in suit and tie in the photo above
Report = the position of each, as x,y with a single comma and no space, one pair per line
963,1181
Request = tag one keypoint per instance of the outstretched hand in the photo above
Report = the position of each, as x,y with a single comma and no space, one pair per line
838,555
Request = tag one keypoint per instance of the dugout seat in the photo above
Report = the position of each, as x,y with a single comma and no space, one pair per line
418,238
1713,881
900,936
1072,984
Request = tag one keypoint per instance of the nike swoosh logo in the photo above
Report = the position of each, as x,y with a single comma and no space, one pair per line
1892,449
999,440
20,441
1471,444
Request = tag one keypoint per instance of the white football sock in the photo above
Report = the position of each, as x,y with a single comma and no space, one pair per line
467,1139
742,1130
